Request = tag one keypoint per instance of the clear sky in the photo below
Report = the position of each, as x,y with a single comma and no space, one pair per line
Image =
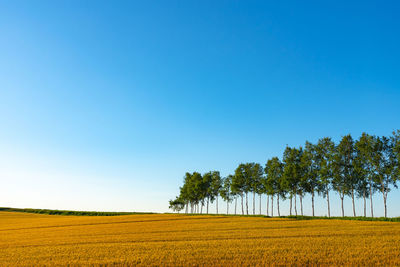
104,105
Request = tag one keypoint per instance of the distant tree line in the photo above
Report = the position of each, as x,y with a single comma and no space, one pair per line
355,169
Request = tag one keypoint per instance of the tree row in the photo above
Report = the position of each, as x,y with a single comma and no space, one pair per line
352,168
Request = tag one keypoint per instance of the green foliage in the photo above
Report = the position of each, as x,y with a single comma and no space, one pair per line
343,171
310,180
363,165
216,184
207,179
225,191
239,180
177,205
324,152
274,183
292,171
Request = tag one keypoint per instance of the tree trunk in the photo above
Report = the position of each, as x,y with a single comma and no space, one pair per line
365,204
260,203
384,194
227,207
235,203
242,205
254,203
295,202
208,202
370,199
354,206
342,197
329,206
247,203
201,210
267,205
301,204
272,205
291,204
217,204
312,202
384,203
279,213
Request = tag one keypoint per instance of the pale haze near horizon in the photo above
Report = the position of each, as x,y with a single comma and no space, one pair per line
105,106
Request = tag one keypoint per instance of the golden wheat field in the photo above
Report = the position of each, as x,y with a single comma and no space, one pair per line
167,239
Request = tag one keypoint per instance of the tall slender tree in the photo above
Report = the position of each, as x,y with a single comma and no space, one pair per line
238,183
234,190
216,184
364,169
195,188
244,175
344,175
324,161
260,191
292,173
387,165
310,179
207,178
273,170
225,191
256,176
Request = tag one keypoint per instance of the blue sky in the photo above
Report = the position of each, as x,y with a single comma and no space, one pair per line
105,105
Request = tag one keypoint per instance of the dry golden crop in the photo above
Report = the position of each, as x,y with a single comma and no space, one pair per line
161,239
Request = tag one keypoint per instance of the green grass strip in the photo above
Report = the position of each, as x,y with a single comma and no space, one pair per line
71,212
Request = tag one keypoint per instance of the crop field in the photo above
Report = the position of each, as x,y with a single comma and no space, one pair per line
168,239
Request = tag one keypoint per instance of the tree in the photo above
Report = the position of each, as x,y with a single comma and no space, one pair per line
392,170
269,183
177,205
324,161
255,180
216,184
344,178
273,170
302,183
207,178
364,169
247,174
243,182
292,173
261,190
386,164
238,183
185,192
234,190
195,189
225,191
310,180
